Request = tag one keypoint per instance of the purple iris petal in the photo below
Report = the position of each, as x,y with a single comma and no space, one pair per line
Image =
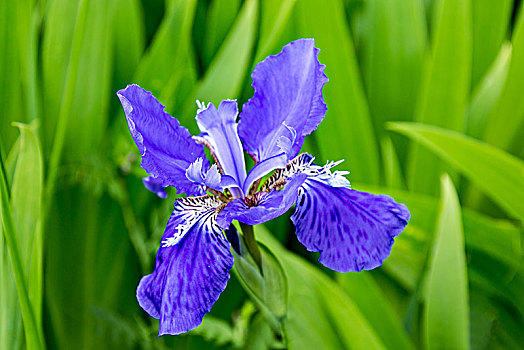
288,93
155,186
219,127
286,142
192,267
265,167
352,230
262,206
211,178
167,148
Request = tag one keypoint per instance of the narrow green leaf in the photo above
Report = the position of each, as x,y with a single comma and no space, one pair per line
128,23
76,58
505,123
487,93
447,305
169,48
93,78
498,239
10,87
10,163
26,207
498,174
68,95
57,36
220,17
487,39
7,300
377,309
226,74
28,18
393,53
445,87
392,167
346,132
272,26
33,334
10,316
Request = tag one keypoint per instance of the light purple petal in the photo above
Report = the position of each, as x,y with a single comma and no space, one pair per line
286,142
288,93
265,167
263,206
219,128
155,186
167,148
189,275
195,171
227,181
211,178
352,230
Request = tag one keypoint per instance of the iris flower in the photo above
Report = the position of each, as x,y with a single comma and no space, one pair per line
352,230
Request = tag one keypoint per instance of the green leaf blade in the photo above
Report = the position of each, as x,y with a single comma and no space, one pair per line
487,93
271,26
487,39
347,131
447,312
33,334
26,206
506,122
226,73
365,292
445,87
221,16
393,54
497,173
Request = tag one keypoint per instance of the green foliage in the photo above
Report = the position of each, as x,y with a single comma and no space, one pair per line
447,310
417,88
25,254
499,174
445,86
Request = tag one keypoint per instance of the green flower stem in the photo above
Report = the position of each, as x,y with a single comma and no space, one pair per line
251,243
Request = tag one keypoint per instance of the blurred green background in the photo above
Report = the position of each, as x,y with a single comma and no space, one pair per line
418,89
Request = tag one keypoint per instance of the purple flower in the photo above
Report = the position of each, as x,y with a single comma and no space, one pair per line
352,230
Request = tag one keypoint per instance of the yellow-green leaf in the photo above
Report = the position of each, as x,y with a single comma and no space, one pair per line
445,87
497,173
447,296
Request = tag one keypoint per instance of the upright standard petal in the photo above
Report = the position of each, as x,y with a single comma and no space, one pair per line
192,267
288,96
219,128
263,168
352,230
167,148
